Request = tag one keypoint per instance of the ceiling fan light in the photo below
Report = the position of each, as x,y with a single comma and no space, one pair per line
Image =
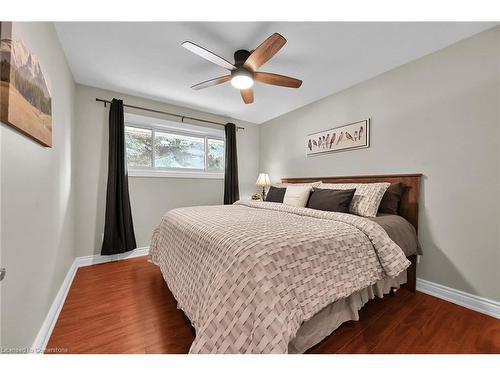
241,79
242,82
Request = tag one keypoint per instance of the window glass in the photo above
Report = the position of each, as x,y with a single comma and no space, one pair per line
139,150
179,151
215,155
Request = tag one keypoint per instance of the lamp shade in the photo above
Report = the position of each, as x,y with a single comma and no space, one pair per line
263,180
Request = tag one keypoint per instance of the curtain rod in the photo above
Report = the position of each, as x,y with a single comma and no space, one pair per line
167,113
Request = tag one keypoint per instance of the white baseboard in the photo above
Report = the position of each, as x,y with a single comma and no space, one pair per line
48,324
470,301
51,318
97,259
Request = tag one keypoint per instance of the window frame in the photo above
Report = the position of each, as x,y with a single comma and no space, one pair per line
175,128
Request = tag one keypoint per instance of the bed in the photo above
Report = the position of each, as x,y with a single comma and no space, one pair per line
261,277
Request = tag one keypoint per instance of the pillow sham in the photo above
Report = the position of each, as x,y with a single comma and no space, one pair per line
286,184
297,196
366,198
391,200
275,194
330,199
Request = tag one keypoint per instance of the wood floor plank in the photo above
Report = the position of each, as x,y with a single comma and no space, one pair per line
126,307
381,327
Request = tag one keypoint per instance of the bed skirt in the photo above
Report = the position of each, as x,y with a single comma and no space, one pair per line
326,321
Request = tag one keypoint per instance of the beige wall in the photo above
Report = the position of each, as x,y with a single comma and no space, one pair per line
37,202
150,197
439,116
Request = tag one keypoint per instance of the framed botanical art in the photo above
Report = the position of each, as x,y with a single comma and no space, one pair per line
346,137
25,100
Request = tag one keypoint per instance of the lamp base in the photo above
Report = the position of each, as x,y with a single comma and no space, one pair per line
263,194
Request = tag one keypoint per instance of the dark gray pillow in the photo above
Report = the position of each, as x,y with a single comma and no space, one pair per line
331,199
275,194
391,199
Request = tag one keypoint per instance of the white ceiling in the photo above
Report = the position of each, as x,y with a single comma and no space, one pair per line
147,60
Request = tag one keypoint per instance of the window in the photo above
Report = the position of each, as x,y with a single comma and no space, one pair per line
161,148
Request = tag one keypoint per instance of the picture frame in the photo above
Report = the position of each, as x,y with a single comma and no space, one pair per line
25,99
352,136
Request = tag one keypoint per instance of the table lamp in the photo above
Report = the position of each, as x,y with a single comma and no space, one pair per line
263,181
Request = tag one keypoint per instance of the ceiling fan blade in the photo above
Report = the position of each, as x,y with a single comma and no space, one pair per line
277,80
264,52
247,95
211,82
206,54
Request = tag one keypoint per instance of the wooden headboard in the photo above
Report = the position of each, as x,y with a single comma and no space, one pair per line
409,201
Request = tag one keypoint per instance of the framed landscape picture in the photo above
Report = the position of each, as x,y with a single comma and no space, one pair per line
25,100
346,137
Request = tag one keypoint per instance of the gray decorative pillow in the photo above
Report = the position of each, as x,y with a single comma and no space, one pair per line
392,198
366,198
275,194
330,199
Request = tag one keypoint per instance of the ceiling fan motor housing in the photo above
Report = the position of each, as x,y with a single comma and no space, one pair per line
240,57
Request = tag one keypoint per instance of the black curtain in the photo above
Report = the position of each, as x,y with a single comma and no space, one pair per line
231,188
119,229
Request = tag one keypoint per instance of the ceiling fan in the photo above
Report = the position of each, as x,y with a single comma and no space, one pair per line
244,70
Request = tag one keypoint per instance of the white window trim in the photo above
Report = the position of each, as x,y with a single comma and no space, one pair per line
142,172
173,128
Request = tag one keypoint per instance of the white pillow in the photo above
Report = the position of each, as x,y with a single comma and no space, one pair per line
297,196
366,199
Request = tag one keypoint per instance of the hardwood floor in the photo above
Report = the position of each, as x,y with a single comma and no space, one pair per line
126,307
